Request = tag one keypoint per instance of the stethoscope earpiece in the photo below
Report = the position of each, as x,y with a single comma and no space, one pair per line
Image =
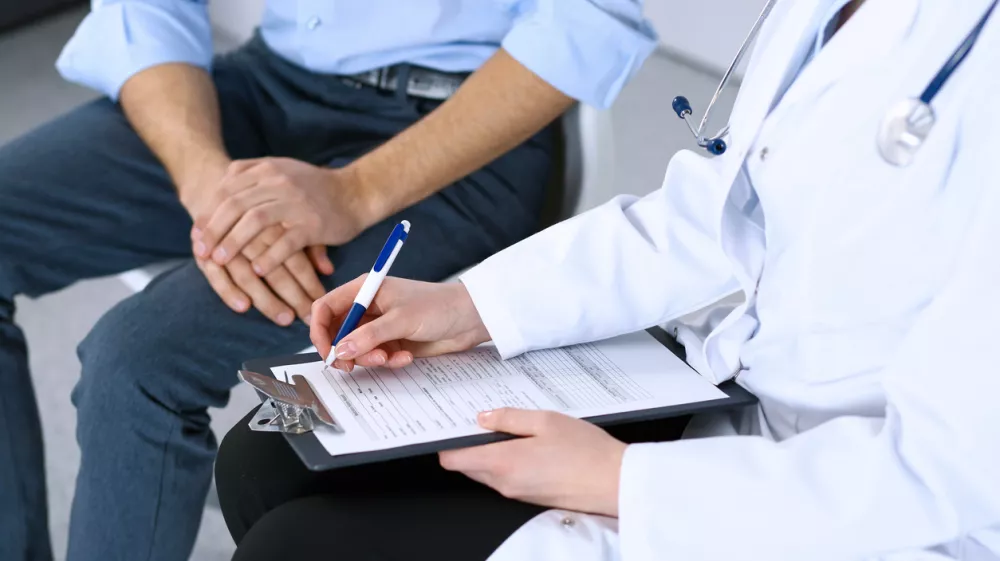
681,106
716,146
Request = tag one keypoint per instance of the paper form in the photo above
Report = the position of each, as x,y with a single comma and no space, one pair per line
439,398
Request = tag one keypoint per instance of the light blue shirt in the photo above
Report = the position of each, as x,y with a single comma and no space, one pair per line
588,49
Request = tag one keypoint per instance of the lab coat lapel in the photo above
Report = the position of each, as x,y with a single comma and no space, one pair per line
781,44
871,33
784,41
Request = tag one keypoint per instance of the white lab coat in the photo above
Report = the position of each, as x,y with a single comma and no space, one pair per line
869,323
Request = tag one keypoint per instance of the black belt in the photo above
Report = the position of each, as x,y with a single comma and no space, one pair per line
420,82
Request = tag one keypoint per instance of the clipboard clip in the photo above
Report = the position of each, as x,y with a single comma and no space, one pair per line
291,408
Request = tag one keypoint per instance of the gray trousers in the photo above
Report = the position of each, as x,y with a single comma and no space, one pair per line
83,197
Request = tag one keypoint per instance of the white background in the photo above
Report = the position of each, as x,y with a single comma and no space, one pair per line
707,32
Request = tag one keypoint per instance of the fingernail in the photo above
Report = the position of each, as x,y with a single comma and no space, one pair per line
242,304
485,416
199,249
219,254
379,359
307,319
285,318
257,269
346,349
196,233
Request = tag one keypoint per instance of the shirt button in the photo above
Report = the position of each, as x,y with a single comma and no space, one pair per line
763,153
313,22
568,522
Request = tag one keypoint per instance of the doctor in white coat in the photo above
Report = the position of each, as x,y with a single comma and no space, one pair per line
868,326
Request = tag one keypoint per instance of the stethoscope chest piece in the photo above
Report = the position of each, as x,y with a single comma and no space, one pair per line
904,130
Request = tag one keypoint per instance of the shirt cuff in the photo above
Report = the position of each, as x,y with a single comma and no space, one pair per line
580,49
116,41
481,282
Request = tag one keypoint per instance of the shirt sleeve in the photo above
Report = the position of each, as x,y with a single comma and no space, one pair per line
856,487
120,38
627,265
588,49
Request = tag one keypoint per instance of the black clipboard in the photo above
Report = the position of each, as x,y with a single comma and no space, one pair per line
316,458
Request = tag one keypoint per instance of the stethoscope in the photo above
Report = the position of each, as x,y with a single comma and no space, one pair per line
903,130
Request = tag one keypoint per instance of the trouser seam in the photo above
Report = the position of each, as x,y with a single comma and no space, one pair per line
160,490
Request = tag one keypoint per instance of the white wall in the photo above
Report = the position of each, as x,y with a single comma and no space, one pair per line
236,18
707,32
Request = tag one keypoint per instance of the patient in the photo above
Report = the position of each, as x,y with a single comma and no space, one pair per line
273,174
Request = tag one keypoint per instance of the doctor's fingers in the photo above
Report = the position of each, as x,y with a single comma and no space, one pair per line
338,301
328,309
486,478
393,326
389,355
402,352
521,422
486,464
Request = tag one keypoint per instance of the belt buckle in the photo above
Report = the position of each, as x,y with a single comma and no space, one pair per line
430,85
387,78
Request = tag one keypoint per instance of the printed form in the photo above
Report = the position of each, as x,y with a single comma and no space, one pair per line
439,398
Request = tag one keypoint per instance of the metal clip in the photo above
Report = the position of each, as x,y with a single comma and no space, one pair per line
290,408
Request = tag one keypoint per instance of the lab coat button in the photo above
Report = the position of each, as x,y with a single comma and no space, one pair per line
763,153
313,23
568,522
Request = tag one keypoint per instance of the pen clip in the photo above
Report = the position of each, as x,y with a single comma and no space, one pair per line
399,234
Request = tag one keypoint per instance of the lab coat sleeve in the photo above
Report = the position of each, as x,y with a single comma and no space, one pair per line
120,38
627,265
854,488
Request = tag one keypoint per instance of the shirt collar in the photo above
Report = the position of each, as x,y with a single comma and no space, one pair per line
829,26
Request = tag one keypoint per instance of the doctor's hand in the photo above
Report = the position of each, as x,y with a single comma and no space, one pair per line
313,205
562,463
407,319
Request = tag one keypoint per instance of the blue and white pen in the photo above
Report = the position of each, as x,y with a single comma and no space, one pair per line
371,285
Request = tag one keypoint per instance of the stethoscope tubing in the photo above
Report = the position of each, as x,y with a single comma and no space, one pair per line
941,78
716,145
